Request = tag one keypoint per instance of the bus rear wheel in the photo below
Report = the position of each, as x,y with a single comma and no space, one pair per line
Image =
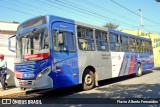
139,70
88,80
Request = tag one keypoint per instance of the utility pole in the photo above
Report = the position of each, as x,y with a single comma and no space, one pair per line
141,21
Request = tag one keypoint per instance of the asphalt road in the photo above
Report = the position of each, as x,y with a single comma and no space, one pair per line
146,86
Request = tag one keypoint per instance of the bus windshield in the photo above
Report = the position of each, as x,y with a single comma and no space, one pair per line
32,46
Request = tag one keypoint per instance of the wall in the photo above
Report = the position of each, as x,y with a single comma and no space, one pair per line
7,29
8,26
9,56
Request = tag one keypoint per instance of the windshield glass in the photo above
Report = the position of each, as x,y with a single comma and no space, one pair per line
33,45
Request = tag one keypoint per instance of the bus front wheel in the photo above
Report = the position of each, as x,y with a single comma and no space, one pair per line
88,80
139,70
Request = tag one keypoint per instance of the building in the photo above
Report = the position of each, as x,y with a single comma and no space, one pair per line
155,42
6,30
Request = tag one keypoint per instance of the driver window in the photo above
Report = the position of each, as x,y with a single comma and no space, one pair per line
63,41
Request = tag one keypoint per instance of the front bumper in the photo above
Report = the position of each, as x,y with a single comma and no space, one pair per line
41,83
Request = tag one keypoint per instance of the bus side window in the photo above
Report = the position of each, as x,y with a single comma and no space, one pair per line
118,49
114,43
139,46
63,41
150,47
124,43
144,46
132,44
70,42
147,46
102,41
85,39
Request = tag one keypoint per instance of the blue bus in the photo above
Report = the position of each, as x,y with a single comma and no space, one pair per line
55,52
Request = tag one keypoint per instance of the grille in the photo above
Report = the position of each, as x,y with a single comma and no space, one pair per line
25,68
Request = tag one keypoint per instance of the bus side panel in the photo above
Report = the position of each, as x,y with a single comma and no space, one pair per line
147,61
66,72
130,63
150,61
133,63
123,63
101,61
142,57
118,63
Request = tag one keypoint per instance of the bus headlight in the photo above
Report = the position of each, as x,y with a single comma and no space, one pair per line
39,75
46,71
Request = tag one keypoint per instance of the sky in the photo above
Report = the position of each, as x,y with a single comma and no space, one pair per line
124,13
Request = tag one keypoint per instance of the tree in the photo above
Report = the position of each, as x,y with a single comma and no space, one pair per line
157,0
111,25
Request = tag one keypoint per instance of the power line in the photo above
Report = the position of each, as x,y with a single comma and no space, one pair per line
93,13
153,25
71,11
70,7
133,12
21,6
105,9
16,10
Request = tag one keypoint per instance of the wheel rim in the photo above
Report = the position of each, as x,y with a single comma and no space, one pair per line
88,79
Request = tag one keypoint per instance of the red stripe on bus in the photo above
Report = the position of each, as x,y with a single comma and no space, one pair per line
132,65
39,55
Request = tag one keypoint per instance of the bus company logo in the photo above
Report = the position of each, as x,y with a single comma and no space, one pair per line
6,101
64,26
116,57
119,57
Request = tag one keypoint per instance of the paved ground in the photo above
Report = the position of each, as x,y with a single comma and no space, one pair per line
11,92
147,86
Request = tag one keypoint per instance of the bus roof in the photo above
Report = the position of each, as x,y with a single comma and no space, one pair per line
86,25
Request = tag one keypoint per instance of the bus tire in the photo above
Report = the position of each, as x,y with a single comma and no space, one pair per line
139,70
88,80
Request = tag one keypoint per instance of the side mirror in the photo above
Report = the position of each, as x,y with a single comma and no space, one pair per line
9,43
60,38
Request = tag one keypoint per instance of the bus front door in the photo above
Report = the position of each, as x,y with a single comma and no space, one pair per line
64,54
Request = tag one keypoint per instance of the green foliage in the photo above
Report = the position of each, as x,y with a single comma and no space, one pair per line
158,42
111,26
158,0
